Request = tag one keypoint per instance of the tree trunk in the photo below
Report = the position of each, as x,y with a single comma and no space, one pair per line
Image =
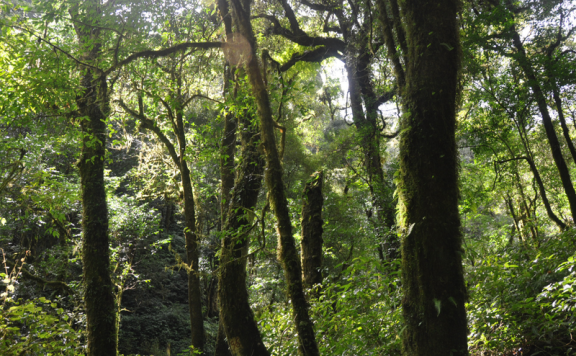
235,313
93,104
221,344
364,106
99,296
288,253
565,130
432,274
311,245
191,238
543,195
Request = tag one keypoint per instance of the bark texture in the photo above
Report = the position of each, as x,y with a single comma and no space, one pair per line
98,296
235,313
93,104
311,245
432,274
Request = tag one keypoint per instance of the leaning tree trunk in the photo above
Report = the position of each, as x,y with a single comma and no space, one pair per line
432,274
288,253
553,142
311,245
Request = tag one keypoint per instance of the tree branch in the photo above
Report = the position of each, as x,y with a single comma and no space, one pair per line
162,53
386,97
315,55
148,124
301,37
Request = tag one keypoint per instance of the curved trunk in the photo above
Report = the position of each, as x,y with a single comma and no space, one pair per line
432,274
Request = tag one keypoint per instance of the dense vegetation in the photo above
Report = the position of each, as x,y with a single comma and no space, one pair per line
326,177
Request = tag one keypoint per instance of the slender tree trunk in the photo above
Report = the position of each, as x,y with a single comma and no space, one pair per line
311,245
191,238
360,87
565,130
227,151
288,253
543,195
432,273
547,121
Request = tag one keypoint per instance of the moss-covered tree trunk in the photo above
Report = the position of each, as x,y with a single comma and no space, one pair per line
311,245
235,313
93,105
191,237
99,296
288,253
432,273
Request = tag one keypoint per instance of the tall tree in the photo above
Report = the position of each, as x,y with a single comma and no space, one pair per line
94,106
351,39
288,254
432,274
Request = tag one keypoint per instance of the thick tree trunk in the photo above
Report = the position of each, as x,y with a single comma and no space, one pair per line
99,296
235,313
93,105
311,245
546,120
288,253
432,273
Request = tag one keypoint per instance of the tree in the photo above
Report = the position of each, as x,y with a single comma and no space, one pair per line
433,282
355,44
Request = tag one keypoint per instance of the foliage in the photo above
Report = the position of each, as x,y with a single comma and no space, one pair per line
357,313
524,298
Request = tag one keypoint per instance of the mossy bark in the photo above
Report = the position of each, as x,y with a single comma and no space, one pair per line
432,274
311,245
93,105
99,295
235,313
288,253
191,238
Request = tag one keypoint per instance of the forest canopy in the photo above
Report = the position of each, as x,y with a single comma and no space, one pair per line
287,177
